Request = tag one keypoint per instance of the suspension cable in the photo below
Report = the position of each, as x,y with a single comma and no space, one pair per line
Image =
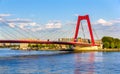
83,30
95,33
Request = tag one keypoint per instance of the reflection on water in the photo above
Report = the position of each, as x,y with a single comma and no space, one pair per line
97,63
84,64
42,62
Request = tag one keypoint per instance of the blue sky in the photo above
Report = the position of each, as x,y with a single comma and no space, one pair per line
56,14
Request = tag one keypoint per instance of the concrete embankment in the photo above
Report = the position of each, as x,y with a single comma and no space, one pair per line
94,48
75,49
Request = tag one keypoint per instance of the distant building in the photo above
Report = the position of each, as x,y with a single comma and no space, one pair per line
65,39
5,44
71,40
79,40
98,41
1,44
24,46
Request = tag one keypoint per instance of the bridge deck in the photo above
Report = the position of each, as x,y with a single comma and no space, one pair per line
46,42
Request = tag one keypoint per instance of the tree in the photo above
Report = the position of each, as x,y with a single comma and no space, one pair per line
29,45
110,42
106,45
108,39
112,45
116,42
118,46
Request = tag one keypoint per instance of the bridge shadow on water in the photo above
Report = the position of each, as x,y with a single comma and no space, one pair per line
39,54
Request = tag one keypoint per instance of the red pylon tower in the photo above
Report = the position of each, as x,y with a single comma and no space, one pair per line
86,17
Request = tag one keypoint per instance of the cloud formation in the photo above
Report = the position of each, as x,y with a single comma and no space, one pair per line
107,28
103,26
19,20
107,23
27,24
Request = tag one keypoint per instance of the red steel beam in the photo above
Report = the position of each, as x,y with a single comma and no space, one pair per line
44,42
90,30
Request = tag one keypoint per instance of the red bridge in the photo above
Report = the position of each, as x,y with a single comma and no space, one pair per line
74,42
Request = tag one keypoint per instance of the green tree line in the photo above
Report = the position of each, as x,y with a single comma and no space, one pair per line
110,42
47,46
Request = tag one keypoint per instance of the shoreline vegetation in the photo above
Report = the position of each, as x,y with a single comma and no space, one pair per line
110,43
46,47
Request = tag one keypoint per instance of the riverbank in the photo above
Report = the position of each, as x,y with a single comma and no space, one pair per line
74,50
43,49
98,50
95,49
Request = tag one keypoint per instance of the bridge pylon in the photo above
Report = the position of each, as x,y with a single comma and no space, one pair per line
80,18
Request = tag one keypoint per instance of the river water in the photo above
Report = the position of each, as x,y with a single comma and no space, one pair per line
58,62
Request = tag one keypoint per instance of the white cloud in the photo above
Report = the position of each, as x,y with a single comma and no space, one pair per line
26,26
116,21
49,25
22,25
53,25
4,15
107,23
33,24
19,20
1,19
37,27
103,22
11,25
